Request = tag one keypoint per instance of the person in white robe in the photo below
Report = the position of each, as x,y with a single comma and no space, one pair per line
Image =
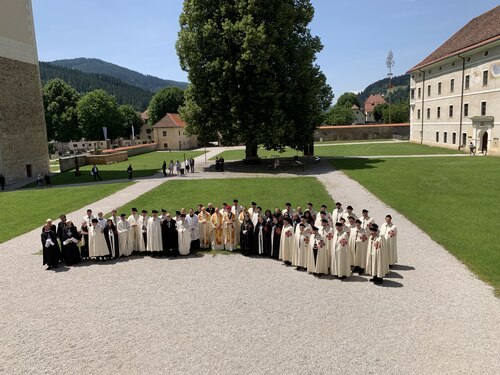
184,234
327,233
252,210
341,263
97,242
255,215
88,218
229,227
135,231
236,209
154,240
313,251
205,228
259,236
366,221
358,246
102,220
123,228
114,217
375,258
193,223
304,248
389,233
348,213
322,215
311,210
143,224
296,244
286,241
337,213
319,246
288,209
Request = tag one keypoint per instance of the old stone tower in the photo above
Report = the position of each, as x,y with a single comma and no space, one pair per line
23,135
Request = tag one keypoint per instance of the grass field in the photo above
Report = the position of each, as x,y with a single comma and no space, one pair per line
30,208
368,149
267,192
143,165
454,200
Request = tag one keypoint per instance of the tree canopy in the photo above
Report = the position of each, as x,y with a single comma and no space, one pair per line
167,100
347,99
130,118
60,100
252,72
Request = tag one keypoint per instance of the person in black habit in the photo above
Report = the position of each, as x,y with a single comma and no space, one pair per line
276,237
164,168
50,247
59,233
70,239
169,237
246,235
84,233
111,237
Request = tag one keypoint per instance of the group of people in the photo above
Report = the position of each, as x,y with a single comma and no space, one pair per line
337,243
179,169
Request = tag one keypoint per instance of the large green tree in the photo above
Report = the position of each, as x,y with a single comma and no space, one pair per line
339,115
98,109
167,100
130,119
347,99
399,113
60,100
252,72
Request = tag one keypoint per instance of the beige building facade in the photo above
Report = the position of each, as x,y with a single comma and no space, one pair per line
170,134
455,91
23,135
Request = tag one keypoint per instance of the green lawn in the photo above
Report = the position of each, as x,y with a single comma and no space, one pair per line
143,165
355,141
368,149
267,192
30,208
455,200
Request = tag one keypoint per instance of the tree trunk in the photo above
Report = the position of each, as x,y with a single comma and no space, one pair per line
251,156
309,149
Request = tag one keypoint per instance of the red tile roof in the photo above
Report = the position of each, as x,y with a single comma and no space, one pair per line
479,31
145,115
372,101
170,120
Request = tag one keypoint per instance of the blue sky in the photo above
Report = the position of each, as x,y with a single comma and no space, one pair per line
356,35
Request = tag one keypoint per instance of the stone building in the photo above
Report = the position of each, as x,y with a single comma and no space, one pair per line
23,135
359,115
170,134
455,91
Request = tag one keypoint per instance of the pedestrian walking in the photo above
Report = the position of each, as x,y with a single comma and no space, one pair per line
95,172
130,170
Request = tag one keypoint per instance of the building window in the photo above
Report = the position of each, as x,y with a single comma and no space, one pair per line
437,137
483,108
485,53
164,133
452,85
466,110
429,90
165,145
419,92
453,138
179,132
485,78
464,139
439,88
428,113
445,137
412,94
418,114
438,112
467,82
451,111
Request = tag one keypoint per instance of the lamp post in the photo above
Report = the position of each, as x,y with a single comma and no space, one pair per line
389,62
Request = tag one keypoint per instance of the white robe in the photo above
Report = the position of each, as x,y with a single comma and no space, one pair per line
327,234
124,237
303,249
154,235
337,214
322,258
137,243
193,224
358,245
346,216
97,242
389,233
286,243
184,237
341,262
376,257
366,223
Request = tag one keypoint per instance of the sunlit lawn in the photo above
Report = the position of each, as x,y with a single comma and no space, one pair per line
365,149
455,200
266,192
143,165
25,210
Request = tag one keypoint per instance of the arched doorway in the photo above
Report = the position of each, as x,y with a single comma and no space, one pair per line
484,142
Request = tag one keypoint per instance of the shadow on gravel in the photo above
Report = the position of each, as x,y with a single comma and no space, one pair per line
355,279
400,267
394,275
390,284
61,268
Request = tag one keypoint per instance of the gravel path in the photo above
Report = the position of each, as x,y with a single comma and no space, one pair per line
234,315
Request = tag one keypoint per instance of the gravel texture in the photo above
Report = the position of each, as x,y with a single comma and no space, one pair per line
228,314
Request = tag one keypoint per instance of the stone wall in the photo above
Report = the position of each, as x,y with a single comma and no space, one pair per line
107,158
68,163
23,135
362,132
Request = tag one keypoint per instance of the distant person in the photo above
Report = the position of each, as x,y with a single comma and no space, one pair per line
2,181
95,173
77,167
48,183
164,168
472,149
39,180
186,165
171,168
178,167
130,170
191,163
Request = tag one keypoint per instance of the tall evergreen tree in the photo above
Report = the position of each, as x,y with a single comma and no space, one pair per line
60,100
252,72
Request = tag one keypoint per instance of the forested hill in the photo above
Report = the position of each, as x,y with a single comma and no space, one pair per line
85,82
401,90
131,77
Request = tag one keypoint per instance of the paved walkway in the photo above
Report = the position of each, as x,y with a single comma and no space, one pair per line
230,314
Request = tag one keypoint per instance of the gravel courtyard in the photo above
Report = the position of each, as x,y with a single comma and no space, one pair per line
228,314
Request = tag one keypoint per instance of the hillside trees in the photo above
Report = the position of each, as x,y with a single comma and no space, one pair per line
167,100
252,70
